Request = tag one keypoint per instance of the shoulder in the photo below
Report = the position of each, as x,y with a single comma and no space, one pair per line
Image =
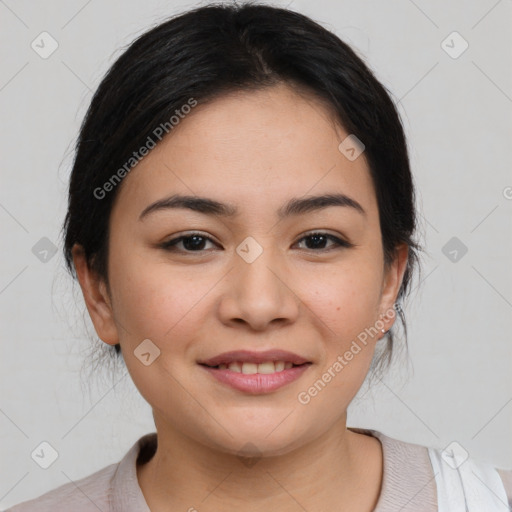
90,493
407,478
114,487
435,473
506,478
462,478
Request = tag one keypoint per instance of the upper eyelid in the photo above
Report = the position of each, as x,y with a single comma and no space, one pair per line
309,232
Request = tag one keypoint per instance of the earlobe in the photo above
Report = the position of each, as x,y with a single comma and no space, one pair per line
96,298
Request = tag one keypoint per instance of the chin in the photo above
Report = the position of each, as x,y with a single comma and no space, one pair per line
263,440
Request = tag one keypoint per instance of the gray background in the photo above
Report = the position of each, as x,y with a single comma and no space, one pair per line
456,112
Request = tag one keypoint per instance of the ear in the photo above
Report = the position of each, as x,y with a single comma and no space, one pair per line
393,276
96,298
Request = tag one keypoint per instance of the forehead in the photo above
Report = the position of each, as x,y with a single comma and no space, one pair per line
255,149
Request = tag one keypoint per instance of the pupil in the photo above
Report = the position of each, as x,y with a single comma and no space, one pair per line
197,244
316,238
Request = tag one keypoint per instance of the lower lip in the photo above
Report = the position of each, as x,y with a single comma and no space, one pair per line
257,383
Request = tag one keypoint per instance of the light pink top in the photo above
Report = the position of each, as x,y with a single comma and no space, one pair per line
408,482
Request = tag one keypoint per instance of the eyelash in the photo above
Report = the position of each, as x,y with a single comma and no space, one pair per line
170,245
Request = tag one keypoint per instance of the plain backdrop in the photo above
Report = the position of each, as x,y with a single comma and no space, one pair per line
456,105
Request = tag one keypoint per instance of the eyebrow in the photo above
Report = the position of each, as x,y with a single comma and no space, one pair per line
295,206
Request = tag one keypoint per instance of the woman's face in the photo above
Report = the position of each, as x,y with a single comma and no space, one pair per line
253,281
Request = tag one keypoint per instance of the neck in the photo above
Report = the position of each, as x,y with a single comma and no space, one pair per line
341,470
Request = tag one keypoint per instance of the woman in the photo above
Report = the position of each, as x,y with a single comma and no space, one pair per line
241,221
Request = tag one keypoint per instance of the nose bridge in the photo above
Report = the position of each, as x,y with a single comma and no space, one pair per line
254,268
258,291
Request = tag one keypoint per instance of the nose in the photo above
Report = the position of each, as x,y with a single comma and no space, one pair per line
259,294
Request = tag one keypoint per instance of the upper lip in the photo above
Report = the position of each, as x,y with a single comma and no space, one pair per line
247,356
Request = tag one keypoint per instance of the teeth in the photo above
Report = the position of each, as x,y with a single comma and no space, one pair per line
266,367
251,368
235,367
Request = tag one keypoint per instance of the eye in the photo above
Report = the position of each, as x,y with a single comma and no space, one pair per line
318,239
194,242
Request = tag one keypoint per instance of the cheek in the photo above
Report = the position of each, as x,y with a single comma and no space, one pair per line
158,301
346,298
344,304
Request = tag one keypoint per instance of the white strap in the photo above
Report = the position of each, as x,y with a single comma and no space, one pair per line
467,485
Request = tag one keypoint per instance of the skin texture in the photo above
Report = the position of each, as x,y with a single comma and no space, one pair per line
255,150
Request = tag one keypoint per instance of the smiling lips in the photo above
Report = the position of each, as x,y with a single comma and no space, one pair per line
251,368
256,372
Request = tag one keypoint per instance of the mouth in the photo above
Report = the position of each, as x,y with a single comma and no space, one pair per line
256,372
249,362
247,368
